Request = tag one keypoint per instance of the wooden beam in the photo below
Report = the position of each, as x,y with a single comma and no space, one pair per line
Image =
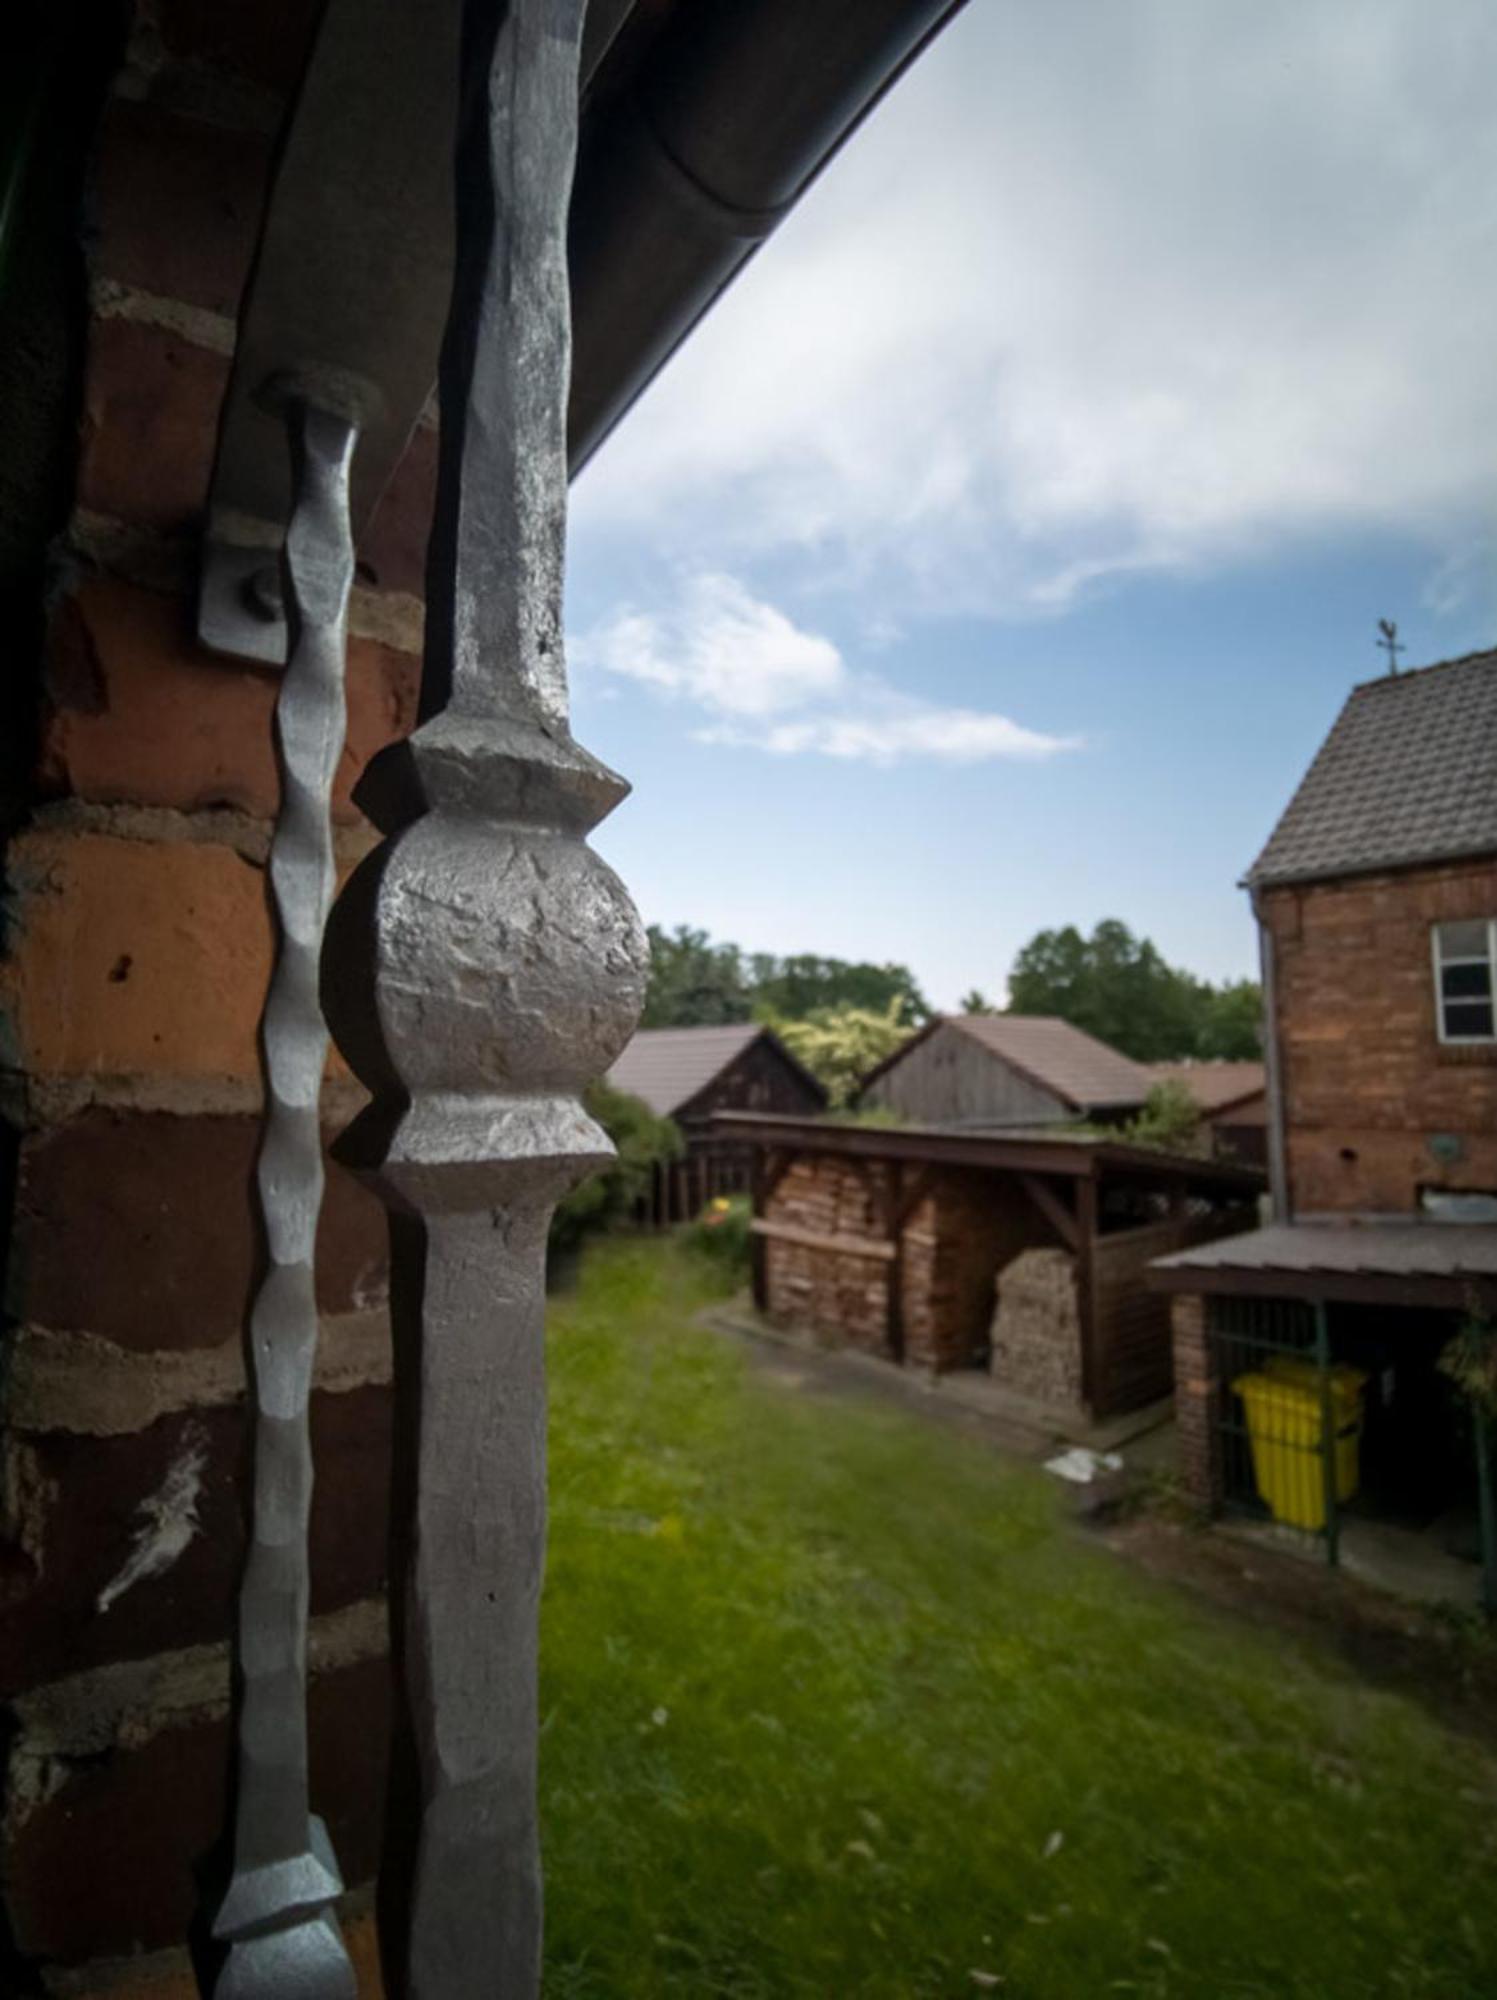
1086,1293
809,1239
777,1163
1060,1218
910,1196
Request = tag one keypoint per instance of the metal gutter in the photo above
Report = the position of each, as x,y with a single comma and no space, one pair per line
1273,1073
690,165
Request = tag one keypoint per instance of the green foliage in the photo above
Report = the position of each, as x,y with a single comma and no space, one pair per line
1170,1118
608,1198
976,1002
839,1045
696,983
1119,988
1469,1359
722,1235
795,989
838,1703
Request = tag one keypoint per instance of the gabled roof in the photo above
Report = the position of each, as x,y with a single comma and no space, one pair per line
1075,1067
1408,774
667,1067
1215,1086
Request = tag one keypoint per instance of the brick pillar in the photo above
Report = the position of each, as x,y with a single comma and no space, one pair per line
138,949
1197,1398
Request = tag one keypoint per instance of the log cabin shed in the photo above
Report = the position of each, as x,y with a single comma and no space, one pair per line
687,1074
1001,1071
1021,1253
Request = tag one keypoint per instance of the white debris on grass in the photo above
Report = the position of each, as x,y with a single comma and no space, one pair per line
1082,1466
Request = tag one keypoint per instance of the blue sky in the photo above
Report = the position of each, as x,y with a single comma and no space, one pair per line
1000,550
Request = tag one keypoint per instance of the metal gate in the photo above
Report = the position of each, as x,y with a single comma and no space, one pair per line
1284,1433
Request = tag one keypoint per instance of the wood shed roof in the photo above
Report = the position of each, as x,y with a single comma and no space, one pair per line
1075,1155
1215,1086
1365,1259
667,1067
1072,1065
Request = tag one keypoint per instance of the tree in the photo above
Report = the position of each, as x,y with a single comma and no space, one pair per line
1170,1118
1120,989
1233,1024
796,988
839,1045
976,1002
694,983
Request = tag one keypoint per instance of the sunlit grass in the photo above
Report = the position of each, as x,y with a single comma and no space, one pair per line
838,1704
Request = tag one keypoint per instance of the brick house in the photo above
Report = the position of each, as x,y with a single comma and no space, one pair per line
1376,899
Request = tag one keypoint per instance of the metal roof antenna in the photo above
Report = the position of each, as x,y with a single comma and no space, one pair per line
1390,641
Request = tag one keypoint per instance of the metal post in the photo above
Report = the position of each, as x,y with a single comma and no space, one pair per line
483,966
1327,1436
1481,1424
277,1916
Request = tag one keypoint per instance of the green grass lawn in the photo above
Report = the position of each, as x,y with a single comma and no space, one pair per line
837,1703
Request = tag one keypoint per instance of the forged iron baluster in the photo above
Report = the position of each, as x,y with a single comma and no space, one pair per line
482,966
277,1915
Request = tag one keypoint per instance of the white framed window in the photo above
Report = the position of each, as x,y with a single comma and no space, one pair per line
1466,980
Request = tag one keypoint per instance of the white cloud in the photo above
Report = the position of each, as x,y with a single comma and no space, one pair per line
1102,289
750,668
720,647
886,730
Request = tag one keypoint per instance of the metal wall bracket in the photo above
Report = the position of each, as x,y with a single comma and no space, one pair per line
350,292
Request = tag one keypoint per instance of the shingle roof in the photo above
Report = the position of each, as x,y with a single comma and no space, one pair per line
1213,1085
1408,774
1084,1072
668,1066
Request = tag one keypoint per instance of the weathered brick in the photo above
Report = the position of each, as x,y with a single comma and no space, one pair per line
134,957
140,1227
178,204
137,957
1367,1083
95,1489
150,422
137,1824
139,713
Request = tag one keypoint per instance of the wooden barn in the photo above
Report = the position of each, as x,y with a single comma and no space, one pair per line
688,1074
1023,1254
1003,1071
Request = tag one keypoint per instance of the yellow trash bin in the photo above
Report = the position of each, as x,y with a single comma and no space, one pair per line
1285,1429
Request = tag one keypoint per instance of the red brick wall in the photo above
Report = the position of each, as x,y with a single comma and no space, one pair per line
1366,1081
138,953
1197,1399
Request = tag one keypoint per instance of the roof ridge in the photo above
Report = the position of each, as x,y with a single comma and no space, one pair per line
1385,680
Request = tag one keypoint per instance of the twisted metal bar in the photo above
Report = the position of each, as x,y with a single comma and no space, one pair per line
277,1916
482,966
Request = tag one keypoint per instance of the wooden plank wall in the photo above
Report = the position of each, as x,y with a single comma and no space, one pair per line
951,1079
1134,1365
